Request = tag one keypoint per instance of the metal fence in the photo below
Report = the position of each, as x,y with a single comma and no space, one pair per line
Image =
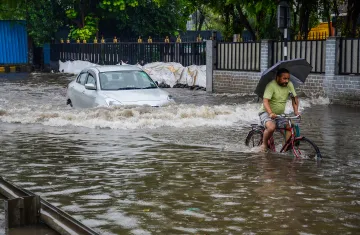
313,36
160,39
349,61
311,50
193,53
242,56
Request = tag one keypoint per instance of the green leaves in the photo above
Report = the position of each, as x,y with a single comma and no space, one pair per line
71,13
88,31
43,20
153,19
12,10
163,17
42,17
117,5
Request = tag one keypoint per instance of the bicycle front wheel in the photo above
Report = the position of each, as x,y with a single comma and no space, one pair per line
305,148
254,138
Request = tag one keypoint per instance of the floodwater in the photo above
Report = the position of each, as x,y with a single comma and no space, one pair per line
181,169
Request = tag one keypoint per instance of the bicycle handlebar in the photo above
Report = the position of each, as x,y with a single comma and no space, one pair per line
289,117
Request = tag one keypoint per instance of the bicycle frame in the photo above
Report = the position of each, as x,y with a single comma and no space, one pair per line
289,142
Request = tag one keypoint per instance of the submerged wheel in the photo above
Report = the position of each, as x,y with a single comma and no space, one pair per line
68,102
254,138
305,148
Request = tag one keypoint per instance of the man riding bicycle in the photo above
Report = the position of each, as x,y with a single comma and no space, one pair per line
274,101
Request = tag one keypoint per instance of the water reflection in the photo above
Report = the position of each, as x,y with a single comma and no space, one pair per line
191,179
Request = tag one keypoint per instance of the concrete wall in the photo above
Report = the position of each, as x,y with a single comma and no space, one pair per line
344,89
235,82
341,89
245,83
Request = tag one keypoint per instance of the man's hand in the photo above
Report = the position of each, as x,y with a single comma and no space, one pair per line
272,115
297,113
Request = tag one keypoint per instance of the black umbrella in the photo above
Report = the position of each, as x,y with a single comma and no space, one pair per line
299,69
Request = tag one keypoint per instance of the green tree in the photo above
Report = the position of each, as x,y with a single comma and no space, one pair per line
352,18
151,18
43,20
131,17
41,16
9,10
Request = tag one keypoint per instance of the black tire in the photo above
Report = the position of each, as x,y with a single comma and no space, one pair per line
254,138
305,148
68,102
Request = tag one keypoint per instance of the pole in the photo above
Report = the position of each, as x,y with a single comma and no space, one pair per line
285,44
285,33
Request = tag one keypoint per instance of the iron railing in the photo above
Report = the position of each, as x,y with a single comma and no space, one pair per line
311,50
24,208
193,53
313,36
349,61
240,56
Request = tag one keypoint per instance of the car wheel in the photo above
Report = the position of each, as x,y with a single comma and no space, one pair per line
68,102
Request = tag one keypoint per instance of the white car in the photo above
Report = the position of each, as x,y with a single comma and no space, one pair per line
115,85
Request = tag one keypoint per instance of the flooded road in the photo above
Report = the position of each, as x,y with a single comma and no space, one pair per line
181,169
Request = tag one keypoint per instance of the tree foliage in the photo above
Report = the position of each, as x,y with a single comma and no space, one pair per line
42,17
9,10
161,20
87,18
258,17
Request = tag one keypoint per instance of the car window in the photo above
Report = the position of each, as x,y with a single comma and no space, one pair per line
123,80
91,79
82,78
144,80
103,78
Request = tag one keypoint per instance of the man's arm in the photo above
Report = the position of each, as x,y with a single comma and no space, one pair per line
294,99
295,104
268,109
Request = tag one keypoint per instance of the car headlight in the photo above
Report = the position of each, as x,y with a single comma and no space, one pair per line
112,102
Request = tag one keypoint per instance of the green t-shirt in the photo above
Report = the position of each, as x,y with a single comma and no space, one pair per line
277,95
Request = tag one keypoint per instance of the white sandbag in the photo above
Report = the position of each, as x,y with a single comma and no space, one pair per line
168,73
75,66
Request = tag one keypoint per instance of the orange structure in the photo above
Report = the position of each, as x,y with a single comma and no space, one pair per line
321,31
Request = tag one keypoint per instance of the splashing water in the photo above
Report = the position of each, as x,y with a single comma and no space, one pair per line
45,104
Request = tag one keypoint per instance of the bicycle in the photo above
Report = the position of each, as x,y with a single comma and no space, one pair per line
301,146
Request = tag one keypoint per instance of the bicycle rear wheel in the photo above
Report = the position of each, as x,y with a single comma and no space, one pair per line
305,148
254,138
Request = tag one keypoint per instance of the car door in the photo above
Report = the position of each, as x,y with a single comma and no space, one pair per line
77,90
89,96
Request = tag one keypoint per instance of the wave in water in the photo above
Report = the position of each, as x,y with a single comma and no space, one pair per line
45,104
131,117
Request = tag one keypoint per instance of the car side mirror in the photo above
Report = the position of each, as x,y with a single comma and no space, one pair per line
90,86
156,82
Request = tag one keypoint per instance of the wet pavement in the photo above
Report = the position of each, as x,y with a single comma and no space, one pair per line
181,169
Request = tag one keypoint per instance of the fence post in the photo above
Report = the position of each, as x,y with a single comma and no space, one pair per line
265,54
102,53
332,53
210,63
332,56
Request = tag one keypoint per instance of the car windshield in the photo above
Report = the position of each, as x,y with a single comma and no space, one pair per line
125,80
